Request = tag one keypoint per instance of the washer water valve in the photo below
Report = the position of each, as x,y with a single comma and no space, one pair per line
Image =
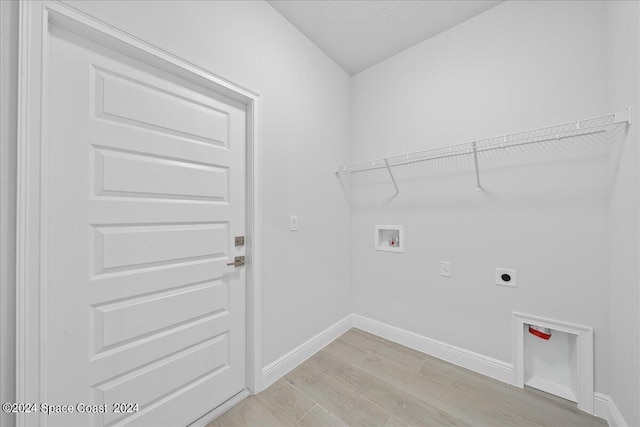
540,332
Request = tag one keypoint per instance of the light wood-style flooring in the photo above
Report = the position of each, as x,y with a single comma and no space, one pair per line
364,380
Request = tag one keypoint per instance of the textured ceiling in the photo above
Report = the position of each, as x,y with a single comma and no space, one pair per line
359,34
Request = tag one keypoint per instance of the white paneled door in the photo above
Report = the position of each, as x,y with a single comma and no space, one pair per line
144,175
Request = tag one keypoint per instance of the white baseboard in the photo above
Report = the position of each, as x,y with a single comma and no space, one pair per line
605,407
601,406
493,368
279,368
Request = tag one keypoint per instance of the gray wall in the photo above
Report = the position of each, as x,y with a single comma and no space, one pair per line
623,78
545,211
305,130
8,97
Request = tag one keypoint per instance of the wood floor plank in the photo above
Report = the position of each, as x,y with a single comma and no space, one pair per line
360,339
361,379
346,351
395,422
249,412
337,399
388,342
319,417
285,402
543,410
457,376
454,402
525,404
398,402
365,334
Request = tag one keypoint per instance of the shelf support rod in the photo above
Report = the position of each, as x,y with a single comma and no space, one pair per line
392,178
475,161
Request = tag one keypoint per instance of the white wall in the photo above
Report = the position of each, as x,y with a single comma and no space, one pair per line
518,66
624,309
8,99
305,130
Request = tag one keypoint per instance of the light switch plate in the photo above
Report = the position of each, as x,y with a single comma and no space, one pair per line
293,223
506,277
445,269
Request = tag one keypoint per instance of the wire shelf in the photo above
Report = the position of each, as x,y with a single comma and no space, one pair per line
559,132
551,133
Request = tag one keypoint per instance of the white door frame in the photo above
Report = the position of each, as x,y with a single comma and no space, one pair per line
31,275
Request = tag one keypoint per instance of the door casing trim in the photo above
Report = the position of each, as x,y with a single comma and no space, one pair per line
36,17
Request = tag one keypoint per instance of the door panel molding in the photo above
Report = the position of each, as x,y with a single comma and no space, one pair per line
36,20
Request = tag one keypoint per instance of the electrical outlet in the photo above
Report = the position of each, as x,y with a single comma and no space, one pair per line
506,277
445,269
293,223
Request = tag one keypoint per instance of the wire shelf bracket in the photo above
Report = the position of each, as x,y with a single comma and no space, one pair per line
591,126
475,162
393,180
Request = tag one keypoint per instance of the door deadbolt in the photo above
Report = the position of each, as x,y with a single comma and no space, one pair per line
239,240
239,261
